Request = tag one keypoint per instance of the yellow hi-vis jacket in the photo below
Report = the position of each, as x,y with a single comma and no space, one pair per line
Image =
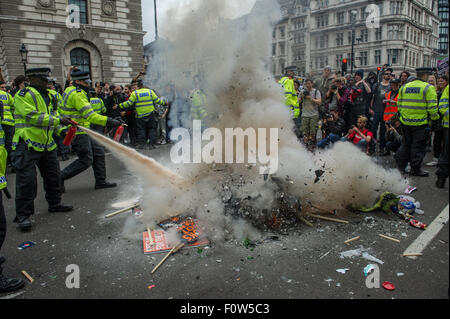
3,157
8,106
443,107
143,100
35,120
78,108
290,95
417,101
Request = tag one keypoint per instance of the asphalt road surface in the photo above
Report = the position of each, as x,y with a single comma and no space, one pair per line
301,265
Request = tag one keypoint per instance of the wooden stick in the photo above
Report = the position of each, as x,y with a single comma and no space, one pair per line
332,212
330,219
27,275
150,235
412,254
174,249
352,239
306,222
390,238
121,211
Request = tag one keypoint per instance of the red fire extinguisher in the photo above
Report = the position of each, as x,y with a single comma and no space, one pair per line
70,134
119,133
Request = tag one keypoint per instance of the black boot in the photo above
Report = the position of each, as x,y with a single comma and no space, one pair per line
419,173
25,224
440,183
105,185
60,208
64,157
10,284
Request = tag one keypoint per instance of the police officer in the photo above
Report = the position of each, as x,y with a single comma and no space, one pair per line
8,120
6,284
33,145
442,171
417,101
290,94
198,102
57,101
144,100
77,107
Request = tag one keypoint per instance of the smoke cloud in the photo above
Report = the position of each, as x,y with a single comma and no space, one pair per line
232,58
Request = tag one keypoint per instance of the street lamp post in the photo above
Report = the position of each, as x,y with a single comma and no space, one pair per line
353,13
156,21
24,55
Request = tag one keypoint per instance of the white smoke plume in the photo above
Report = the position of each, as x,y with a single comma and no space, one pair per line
232,57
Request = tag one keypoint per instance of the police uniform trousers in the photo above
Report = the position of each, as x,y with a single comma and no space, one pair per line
25,160
9,134
146,129
442,171
2,226
62,149
413,147
89,154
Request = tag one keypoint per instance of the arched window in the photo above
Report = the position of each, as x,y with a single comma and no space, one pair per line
83,6
80,58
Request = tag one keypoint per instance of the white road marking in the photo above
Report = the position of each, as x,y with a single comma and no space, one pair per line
428,234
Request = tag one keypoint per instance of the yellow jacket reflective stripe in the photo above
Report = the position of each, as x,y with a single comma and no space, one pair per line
143,100
417,102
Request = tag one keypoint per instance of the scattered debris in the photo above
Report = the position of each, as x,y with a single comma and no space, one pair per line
410,189
388,285
412,254
342,271
151,286
121,211
26,245
352,239
389,238
360,252
330,219
27,276
417,224
368,269
399,274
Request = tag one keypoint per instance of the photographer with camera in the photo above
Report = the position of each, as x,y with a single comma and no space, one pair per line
334,126
310,100
393,135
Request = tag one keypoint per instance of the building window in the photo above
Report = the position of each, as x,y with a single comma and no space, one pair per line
395,32
379,33
363,58
299,55
321,62
274,49
377,57
381,8
80,58
322,41
339,58
364,35
299,38
322,21
339,39
282,48
82,4
364,14
340,17
352,16
393,56
282,32
396,7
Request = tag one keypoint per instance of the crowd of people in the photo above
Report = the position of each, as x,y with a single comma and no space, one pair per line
381,114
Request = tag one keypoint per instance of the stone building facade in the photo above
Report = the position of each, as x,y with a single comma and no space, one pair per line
317,33
108,40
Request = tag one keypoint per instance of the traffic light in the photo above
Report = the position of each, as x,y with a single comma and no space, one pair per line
344,66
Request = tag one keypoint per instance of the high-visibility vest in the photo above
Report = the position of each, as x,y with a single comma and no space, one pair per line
3,157
8,106
417,100
98,105
391,109
290,95
143,100
76,106
198,103
443,107
35,120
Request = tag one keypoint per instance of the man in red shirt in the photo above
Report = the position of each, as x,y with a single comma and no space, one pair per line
360,135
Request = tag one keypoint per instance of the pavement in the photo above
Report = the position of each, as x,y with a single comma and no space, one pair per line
301,265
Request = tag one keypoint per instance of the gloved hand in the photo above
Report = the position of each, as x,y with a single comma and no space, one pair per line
65,121
114,122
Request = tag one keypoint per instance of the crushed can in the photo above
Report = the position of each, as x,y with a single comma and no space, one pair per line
119,133
417,224
70,136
